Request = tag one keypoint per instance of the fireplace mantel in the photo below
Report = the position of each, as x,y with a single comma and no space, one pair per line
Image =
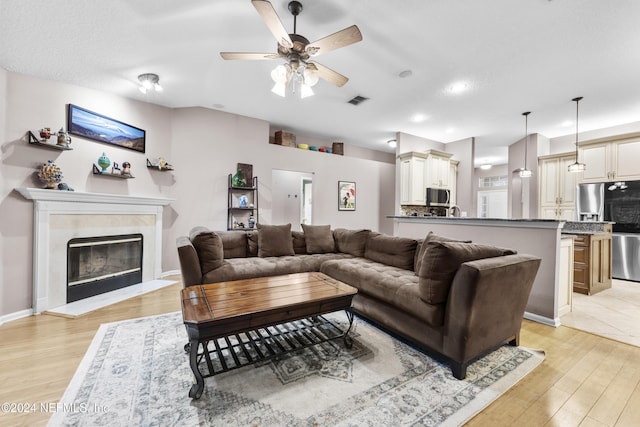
61,215
77,196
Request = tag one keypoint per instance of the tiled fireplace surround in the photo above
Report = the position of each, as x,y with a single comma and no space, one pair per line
60,216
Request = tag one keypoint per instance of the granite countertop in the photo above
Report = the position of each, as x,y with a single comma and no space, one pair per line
586,228
468,218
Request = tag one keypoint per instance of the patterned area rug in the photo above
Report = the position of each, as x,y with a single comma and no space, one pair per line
136,373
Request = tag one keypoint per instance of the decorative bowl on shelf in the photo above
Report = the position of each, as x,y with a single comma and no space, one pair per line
303,146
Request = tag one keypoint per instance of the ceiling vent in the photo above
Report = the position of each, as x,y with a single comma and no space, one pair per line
356,100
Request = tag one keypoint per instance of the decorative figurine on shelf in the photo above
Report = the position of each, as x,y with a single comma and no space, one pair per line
126,168
45,134
243,201
239,179
50,174
115,167
252,221
64,187
63,138
104,162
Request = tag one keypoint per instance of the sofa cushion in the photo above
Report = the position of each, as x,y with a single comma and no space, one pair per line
394,286
234,243
351,241
252,243
422,247
318,238
441,261
274,240
208,246
299,244
247,268
396,251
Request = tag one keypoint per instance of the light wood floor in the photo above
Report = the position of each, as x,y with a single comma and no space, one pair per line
585,380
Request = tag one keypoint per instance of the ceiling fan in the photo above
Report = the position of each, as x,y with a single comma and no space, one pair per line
297,51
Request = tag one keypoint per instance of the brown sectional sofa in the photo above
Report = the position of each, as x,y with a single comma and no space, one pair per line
457,299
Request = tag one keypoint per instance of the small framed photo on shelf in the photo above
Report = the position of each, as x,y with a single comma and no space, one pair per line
346,196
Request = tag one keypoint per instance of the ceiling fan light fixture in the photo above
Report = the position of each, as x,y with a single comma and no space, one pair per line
279,89
311,75
305,90
281,74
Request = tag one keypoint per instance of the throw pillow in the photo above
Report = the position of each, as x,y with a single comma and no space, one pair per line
234,243
395,251
252,243
441,262
350,242
274,240
299,244
318,239
208,246
431,237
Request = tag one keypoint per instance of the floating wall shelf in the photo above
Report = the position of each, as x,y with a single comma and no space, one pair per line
33,140
97,171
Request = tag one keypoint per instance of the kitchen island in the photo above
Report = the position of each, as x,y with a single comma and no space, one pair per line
539,237
592,255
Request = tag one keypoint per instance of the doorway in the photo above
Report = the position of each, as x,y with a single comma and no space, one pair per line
292,197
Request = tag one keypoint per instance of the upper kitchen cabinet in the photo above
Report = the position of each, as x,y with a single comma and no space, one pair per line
611,160
412,178
557,187
438,169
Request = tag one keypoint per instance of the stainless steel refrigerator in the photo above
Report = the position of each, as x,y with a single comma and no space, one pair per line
622,206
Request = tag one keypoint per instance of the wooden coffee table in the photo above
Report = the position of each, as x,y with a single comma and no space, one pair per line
237,323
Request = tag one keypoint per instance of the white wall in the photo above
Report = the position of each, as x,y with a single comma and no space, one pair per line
203,145
463,151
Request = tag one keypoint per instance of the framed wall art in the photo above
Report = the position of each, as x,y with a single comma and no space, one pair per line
346,196
94,126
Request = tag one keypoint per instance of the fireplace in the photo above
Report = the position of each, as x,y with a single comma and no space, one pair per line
96,265
61,216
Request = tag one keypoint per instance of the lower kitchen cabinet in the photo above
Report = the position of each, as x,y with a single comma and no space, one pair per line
592,263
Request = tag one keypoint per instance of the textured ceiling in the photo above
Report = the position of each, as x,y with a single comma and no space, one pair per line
513,56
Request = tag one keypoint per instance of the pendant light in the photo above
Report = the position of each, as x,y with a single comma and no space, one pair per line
524,172
577,167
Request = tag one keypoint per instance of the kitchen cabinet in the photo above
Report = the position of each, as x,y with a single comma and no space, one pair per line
611,160
438,169
412,176
557,187
592,263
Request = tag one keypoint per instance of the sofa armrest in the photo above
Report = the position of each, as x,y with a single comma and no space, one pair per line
189,262
486,304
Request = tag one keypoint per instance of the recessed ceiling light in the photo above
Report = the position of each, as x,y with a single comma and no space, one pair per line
418,118
404,74
485,166
218,106
567,123
458,87
392,143
450,130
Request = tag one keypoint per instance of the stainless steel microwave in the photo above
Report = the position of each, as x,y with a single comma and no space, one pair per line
438,197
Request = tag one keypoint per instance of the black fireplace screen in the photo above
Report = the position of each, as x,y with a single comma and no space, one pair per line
96,265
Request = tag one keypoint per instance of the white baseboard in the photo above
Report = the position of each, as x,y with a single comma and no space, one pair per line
15,316
542,319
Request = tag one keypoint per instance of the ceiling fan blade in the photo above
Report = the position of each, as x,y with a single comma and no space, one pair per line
337,40
270,17
248,55
329,75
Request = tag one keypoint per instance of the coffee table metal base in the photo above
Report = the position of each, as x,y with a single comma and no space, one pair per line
222,354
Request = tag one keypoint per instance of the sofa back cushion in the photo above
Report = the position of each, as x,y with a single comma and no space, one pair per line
395,251
234,243
274,240
318,239
351,242
299,244
422,247
208,246
252,243
441,262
